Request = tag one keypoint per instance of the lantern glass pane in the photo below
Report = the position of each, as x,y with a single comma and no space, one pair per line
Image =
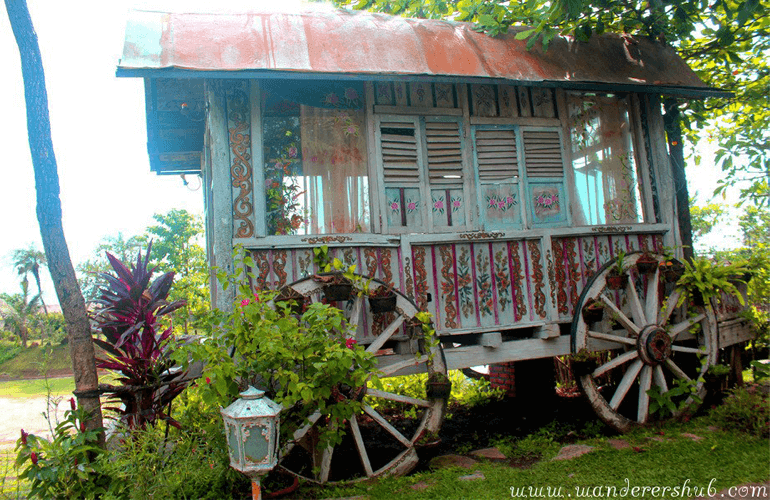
255,445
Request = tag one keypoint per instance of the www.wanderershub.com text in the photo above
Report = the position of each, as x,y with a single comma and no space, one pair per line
684,490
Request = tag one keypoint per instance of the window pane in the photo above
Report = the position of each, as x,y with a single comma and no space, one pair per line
315,165
606,178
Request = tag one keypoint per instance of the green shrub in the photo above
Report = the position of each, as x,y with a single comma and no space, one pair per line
188,463
68,466
745,410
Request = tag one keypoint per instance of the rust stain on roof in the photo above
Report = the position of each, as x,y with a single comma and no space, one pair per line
339,42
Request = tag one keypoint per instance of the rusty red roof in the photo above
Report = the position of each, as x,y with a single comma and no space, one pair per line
343,44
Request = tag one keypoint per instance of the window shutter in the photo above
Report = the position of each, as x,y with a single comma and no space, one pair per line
542,153
399,153
496,155
445,163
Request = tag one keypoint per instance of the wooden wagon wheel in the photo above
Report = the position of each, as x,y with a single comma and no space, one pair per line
648,341
376,442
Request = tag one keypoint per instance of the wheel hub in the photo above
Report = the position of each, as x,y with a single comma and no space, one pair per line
653,345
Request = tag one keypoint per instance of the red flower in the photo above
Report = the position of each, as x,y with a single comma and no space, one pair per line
244,302
33,456
82,426
24,437
72,404
349,343
208,380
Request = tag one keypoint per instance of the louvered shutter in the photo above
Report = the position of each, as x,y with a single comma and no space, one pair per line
496,155
445,162
542,154
399,153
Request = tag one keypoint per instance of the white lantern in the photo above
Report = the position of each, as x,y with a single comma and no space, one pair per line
251,428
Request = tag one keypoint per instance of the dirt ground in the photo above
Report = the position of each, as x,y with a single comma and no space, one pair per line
27,414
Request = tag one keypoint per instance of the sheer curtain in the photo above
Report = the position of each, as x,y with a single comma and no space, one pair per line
335,170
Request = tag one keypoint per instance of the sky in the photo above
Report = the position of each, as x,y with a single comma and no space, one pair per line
99,133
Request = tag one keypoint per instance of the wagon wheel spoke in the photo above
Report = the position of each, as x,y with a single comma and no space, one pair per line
625,384
643,407
397,397
636,305
367,465
326,464
620,316
665,313
684,325
660,378
395,367
674,368
355,314
612,338
691,350
653,298
301,432
614,363
385,335
386,425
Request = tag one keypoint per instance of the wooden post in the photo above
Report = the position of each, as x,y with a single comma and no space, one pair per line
676,157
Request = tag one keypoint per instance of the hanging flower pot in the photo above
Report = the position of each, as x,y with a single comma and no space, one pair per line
294,300
646,264
382,300
617,281
672,271
338,292
593,311
336,288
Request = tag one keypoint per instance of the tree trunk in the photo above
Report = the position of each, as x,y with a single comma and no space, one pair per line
673,125
49,214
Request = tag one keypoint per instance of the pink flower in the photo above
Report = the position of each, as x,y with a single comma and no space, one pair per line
292,152
439,204
244,302
394,205
349,343
456,203
352,129
509,200
540,199
411,205
256,297
314,159
492,203
501,204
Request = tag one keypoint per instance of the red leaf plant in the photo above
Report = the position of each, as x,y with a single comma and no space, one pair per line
139,352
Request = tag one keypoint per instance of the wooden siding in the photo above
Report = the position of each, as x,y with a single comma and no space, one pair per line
575,259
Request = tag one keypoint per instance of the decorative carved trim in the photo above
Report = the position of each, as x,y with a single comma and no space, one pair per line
611,229
238,121
327,239
481,235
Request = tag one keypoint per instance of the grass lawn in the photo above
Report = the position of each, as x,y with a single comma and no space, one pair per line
657,457
62,386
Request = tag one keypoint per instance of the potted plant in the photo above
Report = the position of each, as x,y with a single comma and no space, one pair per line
704,280
593,311
382,299
292,299
582,363
671,270
617,278
337,284
646,263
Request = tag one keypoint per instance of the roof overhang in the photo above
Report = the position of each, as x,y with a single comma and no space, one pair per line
340,44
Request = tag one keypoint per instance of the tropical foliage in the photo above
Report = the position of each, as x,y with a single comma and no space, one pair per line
129,318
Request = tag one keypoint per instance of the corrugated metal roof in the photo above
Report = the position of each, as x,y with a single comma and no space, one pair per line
348,44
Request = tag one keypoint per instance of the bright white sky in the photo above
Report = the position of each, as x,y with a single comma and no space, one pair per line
99,133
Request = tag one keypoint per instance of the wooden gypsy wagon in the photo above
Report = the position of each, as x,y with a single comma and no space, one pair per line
494,187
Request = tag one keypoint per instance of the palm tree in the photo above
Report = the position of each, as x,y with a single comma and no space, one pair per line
18,310
29,260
